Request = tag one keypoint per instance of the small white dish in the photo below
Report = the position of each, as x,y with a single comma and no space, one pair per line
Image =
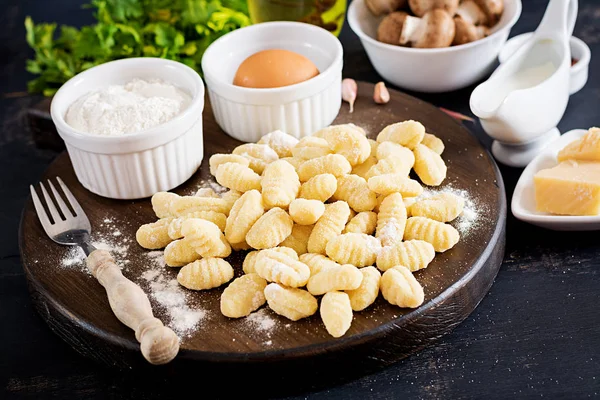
134,165
432,70
523,201
579,51
299,110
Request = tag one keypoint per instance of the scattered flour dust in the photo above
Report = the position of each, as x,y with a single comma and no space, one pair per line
167,292
261,322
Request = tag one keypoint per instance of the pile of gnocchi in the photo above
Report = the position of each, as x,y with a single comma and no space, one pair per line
318,214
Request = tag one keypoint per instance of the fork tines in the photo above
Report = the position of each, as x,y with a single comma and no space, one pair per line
67,213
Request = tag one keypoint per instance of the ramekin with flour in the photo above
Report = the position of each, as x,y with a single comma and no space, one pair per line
134,164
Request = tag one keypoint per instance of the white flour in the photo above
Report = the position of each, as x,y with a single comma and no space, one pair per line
121,109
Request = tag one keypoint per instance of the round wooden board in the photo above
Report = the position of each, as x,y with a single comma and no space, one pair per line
76,308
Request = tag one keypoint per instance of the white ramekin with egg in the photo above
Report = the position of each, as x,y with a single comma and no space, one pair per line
137,164
298,109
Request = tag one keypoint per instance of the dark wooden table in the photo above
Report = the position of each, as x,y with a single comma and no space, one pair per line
536,334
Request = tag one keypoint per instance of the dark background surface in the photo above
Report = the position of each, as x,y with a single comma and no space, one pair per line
536,334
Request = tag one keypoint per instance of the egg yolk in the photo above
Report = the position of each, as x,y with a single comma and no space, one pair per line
274,68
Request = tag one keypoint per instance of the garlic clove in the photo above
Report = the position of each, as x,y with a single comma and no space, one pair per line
381,95
349,92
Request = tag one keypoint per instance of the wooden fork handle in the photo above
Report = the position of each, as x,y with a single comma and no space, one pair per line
159,344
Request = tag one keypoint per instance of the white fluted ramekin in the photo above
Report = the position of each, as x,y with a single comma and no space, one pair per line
300,109
134,165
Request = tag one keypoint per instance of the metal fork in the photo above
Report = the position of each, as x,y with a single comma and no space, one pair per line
159,344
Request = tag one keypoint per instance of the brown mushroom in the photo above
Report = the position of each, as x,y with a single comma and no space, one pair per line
420,7
481,12
390,27
436,29
379,7
466,32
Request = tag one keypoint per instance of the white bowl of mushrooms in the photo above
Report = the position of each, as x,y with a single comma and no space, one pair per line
433,45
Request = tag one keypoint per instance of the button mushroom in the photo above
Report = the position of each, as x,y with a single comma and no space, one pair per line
379,7
435,29
420,7
481,12
466,32
390,27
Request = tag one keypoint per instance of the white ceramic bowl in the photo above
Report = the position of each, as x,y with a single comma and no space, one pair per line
432,70
523,201
300,109
135,165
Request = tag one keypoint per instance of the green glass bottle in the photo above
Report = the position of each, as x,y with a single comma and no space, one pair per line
328,14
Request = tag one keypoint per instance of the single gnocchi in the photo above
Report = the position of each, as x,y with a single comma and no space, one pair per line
407,133
363,222
320,187
237,177
355,191
243,296
443,207
389,165
306,212
429,166
154,235
367,292
206,273
249,264
279,141
354,248
442,236
217,159
270,229
336,313
244,213
334,164
292,303
179,253
400,288
413,254
205,237
395,183
216,218
391,220
328,226
280,184
391,149
275,266
343,277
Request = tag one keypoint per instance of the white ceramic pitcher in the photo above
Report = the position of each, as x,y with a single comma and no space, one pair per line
525,98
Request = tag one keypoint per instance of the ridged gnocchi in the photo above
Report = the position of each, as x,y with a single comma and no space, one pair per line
280,184
154,235
389,165
217,159
259,155
186,205
205,237
275,266
442,236
179,253
400,288
407,133
270,229
395,183
357,249
249,264
334,164
413,254
391,220
429,166
243,215
306,212
355,191
433,142
363,222
342,277
311,147
443,207
330,225
161,203
291,303
237,177
298,239
243,296
279,141
206,273
317,262
347,140
320,187
216,218
336,313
